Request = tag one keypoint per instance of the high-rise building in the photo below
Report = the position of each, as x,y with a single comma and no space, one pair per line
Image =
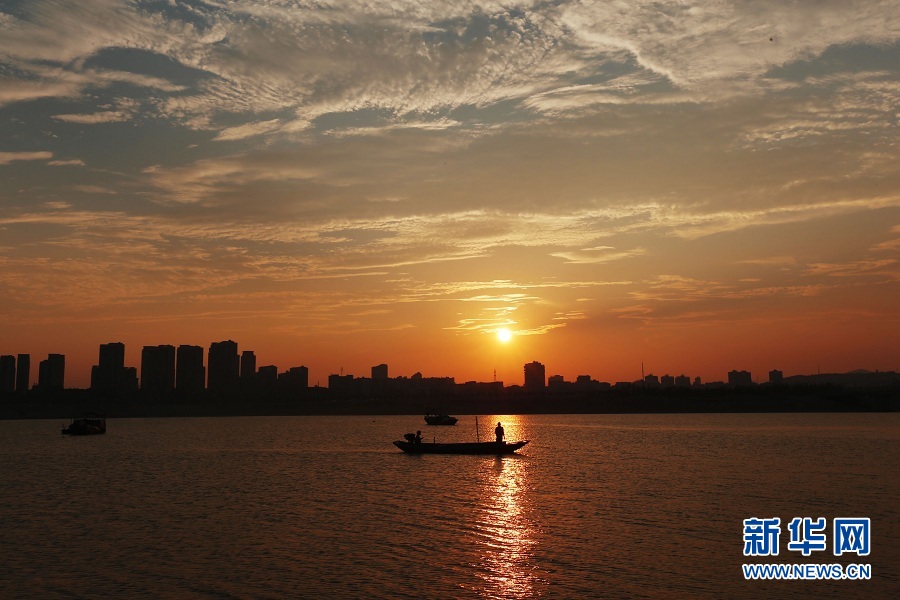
107,373
158,369
224,366
294,381
380,372
23,373
190,375
298,378
267,375
248,365
112,356
52,373
534,376
776,376
7,374
111,374
739,378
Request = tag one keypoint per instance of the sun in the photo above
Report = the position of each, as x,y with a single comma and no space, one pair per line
504,335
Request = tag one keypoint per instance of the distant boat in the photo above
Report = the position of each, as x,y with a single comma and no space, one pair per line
496,448
86,424
440,420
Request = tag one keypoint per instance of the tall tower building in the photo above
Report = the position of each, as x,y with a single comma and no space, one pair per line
248,365
7,374
190,375
224,366
535,377
112,356
380,372
23,373
52,373
111,374
158,369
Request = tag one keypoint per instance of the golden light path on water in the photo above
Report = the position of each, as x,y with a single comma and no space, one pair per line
505,529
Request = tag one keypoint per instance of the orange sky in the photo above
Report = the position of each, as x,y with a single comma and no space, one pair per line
695,188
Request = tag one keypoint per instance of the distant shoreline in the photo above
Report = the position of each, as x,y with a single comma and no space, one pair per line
64,405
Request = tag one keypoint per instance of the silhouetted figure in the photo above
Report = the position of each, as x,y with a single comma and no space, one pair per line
498,431
418,438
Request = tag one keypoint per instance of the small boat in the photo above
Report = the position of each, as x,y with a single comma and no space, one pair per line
460,448
86,424
440,420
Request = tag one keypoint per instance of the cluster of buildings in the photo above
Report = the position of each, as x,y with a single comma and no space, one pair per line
735,379
166,370
15,373
535,378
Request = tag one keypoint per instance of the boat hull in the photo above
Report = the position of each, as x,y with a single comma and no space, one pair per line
83,430
461,448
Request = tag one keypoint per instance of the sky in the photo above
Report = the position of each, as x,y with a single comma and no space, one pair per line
679,187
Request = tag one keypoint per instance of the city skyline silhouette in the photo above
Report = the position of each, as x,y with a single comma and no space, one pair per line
223,369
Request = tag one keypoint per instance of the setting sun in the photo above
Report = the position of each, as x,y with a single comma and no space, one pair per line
504,335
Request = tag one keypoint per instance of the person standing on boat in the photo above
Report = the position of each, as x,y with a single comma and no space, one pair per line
418,438
498,431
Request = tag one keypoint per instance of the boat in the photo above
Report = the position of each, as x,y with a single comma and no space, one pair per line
89,423
496,448
440,420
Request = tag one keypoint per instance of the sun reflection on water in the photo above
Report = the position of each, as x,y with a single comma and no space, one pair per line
506,532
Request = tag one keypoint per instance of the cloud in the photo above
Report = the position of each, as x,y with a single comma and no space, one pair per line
95,118
414,59
73,162
16,90
93,189
247,130
856,268
697,46
598,255
9,157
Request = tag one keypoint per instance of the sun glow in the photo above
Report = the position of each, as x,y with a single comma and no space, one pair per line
504,335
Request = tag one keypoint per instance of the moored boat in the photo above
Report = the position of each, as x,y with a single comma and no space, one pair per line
460,448
440,420
86,424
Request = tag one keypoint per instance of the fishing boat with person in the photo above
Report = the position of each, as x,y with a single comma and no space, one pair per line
459,447
413,444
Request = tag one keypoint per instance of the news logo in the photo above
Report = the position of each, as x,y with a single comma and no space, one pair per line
807,536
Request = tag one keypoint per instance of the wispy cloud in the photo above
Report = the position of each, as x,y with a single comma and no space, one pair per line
92,119
9,157
598,255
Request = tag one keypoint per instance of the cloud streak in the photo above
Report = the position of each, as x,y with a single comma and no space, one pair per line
11,157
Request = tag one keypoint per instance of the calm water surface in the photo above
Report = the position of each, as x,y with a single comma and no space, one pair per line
597,506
